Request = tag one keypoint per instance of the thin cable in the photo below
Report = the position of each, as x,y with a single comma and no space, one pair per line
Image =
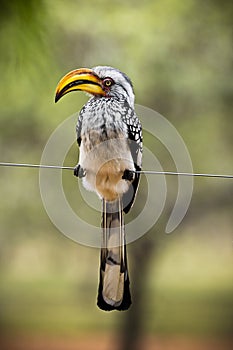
26,165
153,172
146,172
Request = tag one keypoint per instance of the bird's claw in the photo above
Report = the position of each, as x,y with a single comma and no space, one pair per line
79,171
128,175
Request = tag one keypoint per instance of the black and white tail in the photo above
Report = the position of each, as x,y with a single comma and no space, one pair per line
113,293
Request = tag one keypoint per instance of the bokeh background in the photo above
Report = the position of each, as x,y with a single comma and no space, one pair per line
179,56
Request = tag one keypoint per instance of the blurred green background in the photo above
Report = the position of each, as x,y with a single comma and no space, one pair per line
179,56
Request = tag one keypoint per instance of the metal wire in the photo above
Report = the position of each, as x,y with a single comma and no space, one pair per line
146,172
223,176
26,165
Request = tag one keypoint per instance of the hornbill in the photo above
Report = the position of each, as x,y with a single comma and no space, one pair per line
109,135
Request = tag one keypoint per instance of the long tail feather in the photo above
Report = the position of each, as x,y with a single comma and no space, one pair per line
113,293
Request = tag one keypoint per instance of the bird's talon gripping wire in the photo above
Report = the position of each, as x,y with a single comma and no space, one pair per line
128,175
79,171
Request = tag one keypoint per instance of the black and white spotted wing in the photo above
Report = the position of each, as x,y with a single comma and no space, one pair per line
135,145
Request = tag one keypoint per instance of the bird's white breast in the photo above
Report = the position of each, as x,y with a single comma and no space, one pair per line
104,150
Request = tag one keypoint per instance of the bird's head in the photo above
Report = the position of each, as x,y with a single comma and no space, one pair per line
99,81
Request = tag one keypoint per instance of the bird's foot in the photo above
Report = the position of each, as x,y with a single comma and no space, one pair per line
79,171
128,175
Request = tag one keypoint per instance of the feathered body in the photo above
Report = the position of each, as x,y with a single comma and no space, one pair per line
110,139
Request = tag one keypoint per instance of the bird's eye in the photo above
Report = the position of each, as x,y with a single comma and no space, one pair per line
108,82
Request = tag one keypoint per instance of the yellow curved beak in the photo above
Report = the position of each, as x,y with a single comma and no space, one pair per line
79,79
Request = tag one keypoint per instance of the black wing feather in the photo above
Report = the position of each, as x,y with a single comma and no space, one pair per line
135,145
